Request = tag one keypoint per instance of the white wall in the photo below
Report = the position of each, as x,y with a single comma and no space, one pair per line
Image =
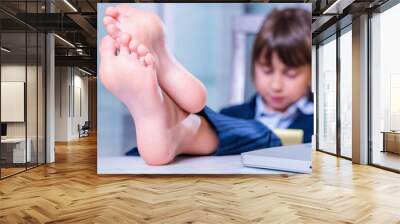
12,73
61,103
79,117
71,87
33,126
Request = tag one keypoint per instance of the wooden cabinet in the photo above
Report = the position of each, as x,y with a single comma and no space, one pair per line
391,141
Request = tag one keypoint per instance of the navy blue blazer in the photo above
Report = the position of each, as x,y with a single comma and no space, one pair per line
248,111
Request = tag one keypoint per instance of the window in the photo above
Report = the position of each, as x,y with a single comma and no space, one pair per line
327,95
346,92
385,89
22,76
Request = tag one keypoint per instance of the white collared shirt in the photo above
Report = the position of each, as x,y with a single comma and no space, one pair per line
279,120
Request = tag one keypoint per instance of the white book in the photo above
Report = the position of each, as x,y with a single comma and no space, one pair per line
292,158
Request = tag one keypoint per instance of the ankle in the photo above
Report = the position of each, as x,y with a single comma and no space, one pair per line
199,137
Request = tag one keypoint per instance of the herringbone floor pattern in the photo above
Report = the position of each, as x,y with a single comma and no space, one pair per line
70,191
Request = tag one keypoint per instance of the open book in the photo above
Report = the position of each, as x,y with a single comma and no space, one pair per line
292,158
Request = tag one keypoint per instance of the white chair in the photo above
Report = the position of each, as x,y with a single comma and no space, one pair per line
243,26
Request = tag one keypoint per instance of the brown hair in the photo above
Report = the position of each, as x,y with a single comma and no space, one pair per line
287,33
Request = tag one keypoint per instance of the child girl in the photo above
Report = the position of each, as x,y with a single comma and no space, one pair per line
281,72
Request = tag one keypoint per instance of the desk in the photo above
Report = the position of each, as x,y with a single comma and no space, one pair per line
17,150
231,164
391,141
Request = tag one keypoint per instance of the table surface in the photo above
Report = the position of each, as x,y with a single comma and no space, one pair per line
13,140
182,165
391,132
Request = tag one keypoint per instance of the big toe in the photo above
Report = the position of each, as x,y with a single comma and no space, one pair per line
107,46
124,40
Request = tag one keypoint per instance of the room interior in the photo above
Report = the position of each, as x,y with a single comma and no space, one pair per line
22,101
48,171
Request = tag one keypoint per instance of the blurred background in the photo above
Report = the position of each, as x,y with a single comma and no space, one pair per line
213,41
49,80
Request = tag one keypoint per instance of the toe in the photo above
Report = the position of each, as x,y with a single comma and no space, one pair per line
111,11
107,46
123,49
133,45
142,50
116,44
123,40
149,60
142,61
112,30
134,55
109,20
133,48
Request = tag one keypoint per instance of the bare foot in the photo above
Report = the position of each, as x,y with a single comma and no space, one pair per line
146,27
163,130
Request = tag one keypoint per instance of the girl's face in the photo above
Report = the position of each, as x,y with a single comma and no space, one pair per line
279,85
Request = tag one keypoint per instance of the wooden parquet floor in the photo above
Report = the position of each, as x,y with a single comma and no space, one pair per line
70,191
